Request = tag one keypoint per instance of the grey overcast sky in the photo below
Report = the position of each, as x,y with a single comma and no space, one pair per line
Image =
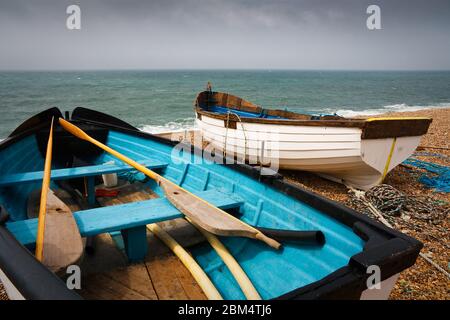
224,34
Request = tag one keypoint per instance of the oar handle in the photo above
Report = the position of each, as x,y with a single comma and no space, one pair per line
238,273
197,272
153,175
161,180
73,129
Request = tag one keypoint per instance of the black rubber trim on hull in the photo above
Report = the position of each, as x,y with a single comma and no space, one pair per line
31,278
31,126
81,114
42,118
315,238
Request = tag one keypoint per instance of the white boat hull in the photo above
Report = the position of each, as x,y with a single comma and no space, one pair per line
384,290
337,153
12,292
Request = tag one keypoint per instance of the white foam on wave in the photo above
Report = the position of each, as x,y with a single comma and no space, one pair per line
402,107
187,124
178,125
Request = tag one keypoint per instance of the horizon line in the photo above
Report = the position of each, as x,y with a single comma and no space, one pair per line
223,69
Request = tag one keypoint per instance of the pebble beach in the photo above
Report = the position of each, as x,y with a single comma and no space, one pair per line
422,281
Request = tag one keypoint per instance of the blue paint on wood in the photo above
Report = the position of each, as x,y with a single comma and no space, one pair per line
246,114
118,240
120,217
272,272
70,173
19,157
135,243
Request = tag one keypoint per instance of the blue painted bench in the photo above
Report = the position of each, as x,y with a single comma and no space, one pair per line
130,219
70,173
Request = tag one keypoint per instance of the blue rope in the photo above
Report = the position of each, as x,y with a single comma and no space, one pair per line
132,176
320,115
437,176
431,154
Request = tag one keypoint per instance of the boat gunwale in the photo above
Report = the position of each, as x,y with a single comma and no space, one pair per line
338,284
371,128
343,214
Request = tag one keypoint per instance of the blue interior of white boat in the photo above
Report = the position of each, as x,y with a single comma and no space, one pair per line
244,114
273,272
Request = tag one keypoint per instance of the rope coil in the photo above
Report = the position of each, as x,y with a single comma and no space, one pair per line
389,203
392,203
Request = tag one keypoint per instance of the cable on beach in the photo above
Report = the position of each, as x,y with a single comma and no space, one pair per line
387,204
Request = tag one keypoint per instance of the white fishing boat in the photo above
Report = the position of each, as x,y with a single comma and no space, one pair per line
356,152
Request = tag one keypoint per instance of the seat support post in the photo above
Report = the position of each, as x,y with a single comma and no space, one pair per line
91,190
135,242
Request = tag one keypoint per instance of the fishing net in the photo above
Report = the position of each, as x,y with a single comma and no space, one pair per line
436,176
393,203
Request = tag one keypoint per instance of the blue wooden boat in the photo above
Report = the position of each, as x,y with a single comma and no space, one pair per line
336,268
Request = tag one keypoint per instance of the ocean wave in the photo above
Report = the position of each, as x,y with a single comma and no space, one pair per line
186,124
402,107
177,125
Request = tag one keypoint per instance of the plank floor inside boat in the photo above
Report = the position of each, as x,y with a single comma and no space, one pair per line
107,275
161,278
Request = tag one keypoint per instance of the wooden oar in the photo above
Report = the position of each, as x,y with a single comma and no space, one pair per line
204,214
58,240
239,275
44,191
197,272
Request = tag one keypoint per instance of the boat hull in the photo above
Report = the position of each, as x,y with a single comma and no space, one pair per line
336,270
336,153
12,292
382,293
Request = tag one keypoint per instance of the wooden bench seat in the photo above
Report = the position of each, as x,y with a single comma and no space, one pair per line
70,173
130,218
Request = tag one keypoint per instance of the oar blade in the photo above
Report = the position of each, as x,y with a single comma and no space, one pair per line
63,245
203,215
209,218
58,241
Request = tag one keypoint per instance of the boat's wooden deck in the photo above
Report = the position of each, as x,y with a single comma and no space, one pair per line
107,275
161,278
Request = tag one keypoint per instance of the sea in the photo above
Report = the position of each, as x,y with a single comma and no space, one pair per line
162,100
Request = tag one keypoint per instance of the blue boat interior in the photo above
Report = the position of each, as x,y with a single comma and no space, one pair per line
243,114
272,272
